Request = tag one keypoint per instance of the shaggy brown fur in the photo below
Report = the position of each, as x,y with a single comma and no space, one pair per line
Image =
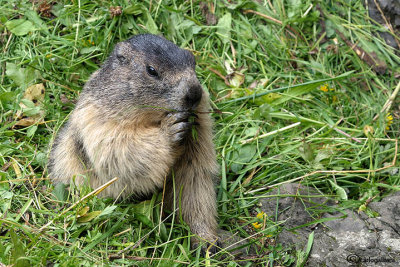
134,121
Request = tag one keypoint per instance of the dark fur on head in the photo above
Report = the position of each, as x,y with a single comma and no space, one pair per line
173,85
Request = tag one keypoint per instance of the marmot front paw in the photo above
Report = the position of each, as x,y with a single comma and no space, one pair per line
179,125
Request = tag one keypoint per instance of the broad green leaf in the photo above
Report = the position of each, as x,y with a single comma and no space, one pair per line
41,158
163,232
146,221
108,210
63,15
306,152
263,112
151,26
88,50
5,200
224,28
60,192
20,27
21,76
30,109
31,131
18,251
339,191
189,28
243,156
330,28
14,73
36,20
88,216
251,132
6,194
134,9
83,211
293,8
143,212
7,97
238,5
143,207
323,154
271,97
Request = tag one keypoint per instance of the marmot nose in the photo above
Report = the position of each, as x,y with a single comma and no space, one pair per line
193,96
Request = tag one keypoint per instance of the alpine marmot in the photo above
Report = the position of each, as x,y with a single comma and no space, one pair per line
143,117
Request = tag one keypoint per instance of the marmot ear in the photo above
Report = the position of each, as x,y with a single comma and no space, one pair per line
123,52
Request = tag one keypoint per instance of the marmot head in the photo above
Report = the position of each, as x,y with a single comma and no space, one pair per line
147,71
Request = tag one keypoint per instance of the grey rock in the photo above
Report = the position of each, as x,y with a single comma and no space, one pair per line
296,204
232,243
346,238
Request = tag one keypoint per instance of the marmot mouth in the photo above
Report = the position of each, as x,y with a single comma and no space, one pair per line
189,113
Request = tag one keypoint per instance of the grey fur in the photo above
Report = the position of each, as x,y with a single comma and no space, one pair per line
133,123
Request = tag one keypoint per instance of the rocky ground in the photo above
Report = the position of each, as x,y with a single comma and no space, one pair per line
348,239
389,10
341,238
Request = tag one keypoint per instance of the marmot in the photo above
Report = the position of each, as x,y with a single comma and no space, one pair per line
134,120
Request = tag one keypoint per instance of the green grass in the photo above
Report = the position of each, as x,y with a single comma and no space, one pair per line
259,58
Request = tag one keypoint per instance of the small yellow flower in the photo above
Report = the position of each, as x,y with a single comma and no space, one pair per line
87,42
389,120
324,88
261,215
48,55
257,225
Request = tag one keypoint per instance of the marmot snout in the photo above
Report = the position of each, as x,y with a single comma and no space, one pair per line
134,121
193,96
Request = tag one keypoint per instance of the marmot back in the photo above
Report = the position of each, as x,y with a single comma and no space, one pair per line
134,120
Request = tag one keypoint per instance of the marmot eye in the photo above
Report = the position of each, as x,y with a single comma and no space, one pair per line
152,71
